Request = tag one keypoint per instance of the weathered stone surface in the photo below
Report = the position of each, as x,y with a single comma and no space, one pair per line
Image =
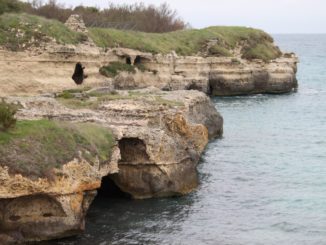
159,139
51,70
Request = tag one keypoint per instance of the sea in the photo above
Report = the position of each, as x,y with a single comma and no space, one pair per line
264,182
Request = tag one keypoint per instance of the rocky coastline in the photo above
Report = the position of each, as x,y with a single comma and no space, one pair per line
160,117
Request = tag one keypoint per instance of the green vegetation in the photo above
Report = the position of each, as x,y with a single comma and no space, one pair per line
7,116
66,95
264,51
20,31
114,68
189,42
219,51
133,16
94,100
161,101
34,148
235,61
10,6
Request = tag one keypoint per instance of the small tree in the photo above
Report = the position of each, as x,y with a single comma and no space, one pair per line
7,116
9,6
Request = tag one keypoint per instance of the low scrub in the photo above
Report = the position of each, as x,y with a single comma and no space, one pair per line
217,50
114,68
7,116
7,6
34,148
263,51
190,42
20,31
120,16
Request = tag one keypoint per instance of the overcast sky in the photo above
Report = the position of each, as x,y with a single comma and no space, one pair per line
274,16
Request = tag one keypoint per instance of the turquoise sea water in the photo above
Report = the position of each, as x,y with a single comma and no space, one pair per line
264,182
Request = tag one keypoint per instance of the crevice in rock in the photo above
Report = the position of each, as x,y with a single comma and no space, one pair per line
128,60
29,207
133,150
78,75
109,189
138,60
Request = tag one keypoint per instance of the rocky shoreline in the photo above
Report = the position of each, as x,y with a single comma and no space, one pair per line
159,139
160,116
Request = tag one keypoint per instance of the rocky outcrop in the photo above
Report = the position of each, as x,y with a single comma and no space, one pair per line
159,139
221,76
53,64
51,70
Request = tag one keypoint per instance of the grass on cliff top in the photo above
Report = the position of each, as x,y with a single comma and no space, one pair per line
256,43
68,99
20,31
34,148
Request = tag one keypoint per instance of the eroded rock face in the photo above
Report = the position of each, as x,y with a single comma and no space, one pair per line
51,70
159,139
43,216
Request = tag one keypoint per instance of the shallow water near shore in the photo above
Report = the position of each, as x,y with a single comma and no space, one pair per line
264,182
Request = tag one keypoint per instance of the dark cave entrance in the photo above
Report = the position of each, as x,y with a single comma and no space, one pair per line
132,150
138,60
128,60
109,189
78,76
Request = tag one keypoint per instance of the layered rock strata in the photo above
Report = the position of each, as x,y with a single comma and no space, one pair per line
50,70
159,139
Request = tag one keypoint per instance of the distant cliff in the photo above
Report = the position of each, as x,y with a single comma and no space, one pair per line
215,60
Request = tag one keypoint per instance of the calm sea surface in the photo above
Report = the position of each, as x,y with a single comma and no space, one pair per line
264,182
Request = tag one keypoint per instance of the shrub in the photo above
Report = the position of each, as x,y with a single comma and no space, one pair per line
119,16
235,61
7,116
9,6
262,51
219,51
114,68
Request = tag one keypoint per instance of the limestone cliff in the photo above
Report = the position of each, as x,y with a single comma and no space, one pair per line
49,67
29,73
159,138
160,123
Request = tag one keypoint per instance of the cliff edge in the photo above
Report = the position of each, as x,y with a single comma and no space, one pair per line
39,56
147,141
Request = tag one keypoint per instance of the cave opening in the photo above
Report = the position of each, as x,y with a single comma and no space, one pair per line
133,150
109,189
138,60
128,60
78,76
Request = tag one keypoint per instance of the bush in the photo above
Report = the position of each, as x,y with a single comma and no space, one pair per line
262,51
119,16
219,51
9,6
114,68
7,116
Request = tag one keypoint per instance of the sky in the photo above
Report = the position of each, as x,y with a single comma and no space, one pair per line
273,16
